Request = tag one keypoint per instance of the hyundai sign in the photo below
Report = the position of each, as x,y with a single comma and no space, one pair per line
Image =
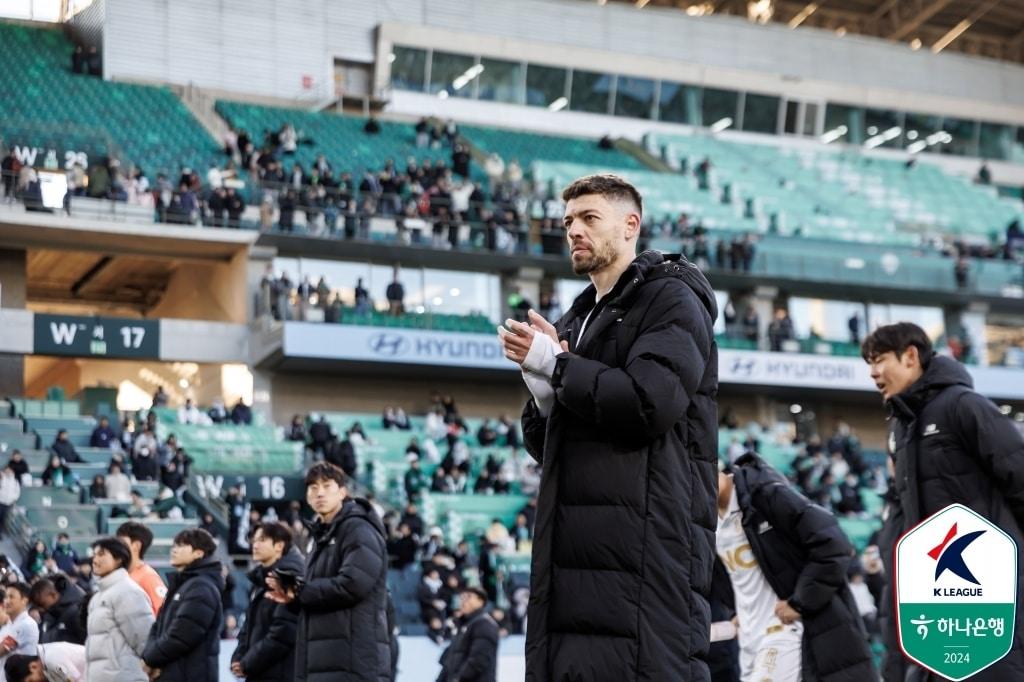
483,351
405,346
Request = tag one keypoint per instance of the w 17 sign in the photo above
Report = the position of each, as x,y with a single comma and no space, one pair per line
956,592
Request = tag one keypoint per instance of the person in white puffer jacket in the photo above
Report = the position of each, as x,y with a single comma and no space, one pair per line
120,618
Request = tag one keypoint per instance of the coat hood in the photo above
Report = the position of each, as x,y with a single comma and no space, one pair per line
650,266
940,373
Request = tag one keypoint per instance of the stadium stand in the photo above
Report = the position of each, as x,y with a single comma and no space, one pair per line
47,106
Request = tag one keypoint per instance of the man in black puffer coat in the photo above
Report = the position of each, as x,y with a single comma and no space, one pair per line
266,642
343,631
184,644
625,425
948,445
803,555
473,654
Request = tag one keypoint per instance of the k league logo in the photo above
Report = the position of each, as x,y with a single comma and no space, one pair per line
956,592
388,344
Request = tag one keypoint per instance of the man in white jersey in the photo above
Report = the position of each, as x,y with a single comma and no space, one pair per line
787,561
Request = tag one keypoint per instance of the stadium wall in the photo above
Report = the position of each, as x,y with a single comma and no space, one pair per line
286,49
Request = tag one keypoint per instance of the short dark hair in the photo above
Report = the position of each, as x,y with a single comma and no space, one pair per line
16,667
133,530
275,532
322,471
607,185
897,338
197,538
41,587
116,549
21,587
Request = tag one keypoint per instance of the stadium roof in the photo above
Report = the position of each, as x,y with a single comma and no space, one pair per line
985,28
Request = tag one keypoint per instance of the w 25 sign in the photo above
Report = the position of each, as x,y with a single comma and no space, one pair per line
103,337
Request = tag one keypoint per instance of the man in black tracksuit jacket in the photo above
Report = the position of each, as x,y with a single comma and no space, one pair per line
803,554
343,633
266,642
473,654
624,423
948,445
184,644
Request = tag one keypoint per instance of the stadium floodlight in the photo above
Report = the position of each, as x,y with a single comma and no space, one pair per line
916,147
437,300
721,124
558,104
392,58
802,15
832,135
467,76
951,35
795,408
454,291
443,94
911,135
882,138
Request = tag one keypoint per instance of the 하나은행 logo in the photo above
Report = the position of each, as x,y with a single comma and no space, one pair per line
955,586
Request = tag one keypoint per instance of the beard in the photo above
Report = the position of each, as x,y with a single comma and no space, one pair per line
598,257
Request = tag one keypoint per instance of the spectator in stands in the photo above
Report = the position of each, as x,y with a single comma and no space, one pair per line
342,605
35,560
984,176
184,643
57,473
486,435
320,435
64,554
412,518
809,598
266,642
402,548
853,324
521,532
395,295
750,324
172,478
188,413
473,653
217,413
165,451
286,204
64,448
10,491
432,604
234,204
962,271
98,488
849,503
241,413
372,126
414,481
297,429
18,465
145,465
362,298
119,617
780,330
103,436
138,538
118,485
23,633
58,601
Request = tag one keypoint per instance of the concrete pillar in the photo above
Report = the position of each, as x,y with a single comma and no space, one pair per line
262,405
13,294
260,259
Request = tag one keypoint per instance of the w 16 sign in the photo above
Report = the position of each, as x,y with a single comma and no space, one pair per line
956,592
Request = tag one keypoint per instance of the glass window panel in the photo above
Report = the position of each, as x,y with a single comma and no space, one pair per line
760,113
634,97
830,319
446,69
995,141
1017,151
501,81
964,134
718,104
931,320
881,122
679,103
840,115
590,92
544,84
409,69
917,128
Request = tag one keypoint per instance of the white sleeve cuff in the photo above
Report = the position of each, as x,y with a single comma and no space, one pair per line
542,392
542,356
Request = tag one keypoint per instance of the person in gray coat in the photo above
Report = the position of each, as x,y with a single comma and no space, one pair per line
120,618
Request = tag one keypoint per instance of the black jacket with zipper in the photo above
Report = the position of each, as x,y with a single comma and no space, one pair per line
266,642
952,445
624,539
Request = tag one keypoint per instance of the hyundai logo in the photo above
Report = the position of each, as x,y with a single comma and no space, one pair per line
743,366
389,345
